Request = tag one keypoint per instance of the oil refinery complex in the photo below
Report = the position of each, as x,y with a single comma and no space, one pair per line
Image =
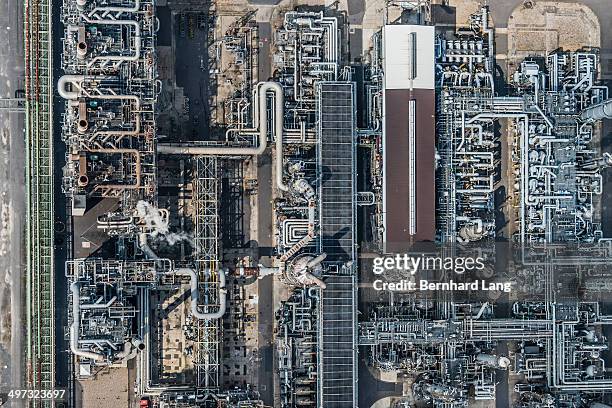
211,183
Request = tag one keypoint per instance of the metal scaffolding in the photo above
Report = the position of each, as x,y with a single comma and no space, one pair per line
205,202
39,192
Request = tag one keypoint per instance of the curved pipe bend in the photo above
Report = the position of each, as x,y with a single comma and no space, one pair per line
195,294
74,328
262,121
74,80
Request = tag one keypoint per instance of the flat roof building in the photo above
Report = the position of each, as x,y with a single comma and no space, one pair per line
337,359
408,135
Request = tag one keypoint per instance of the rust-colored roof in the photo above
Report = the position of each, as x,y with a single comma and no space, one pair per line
397,167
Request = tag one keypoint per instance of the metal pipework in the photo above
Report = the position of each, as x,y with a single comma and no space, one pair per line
131,9
127,352
279,103
308,19
195,294
137,182
598,111
76,81
74,328
99,305
135,57
313,263
316,261
308,237
144,246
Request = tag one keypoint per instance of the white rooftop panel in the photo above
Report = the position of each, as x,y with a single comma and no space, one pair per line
403,46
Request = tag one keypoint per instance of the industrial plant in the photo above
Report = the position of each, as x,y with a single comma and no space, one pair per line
211,181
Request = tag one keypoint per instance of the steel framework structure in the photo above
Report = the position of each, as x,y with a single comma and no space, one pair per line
206,217
337,375
39,191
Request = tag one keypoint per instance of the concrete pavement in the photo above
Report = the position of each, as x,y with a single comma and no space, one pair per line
12,199
502,9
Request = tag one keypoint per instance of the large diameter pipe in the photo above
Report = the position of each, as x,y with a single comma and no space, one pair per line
316,261
75,81
100,305
134,57
599,111
131,9
74,328
241,151
195,294
279,103
126,352
78,91
144,246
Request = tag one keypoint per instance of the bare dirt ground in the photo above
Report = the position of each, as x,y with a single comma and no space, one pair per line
550,25
109,389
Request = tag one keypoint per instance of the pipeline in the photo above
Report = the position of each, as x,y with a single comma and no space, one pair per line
313,263
76,82
74,328
279,103
240,151
144,246
136,184
72,80
135,57
126,352
99,305
316,261
134,8
599,111
195,294
308,237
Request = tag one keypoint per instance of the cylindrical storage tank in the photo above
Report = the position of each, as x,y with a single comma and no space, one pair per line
82,126
81,49
83,180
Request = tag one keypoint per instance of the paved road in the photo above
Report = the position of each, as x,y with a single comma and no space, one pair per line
265,37
265,316
12,206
